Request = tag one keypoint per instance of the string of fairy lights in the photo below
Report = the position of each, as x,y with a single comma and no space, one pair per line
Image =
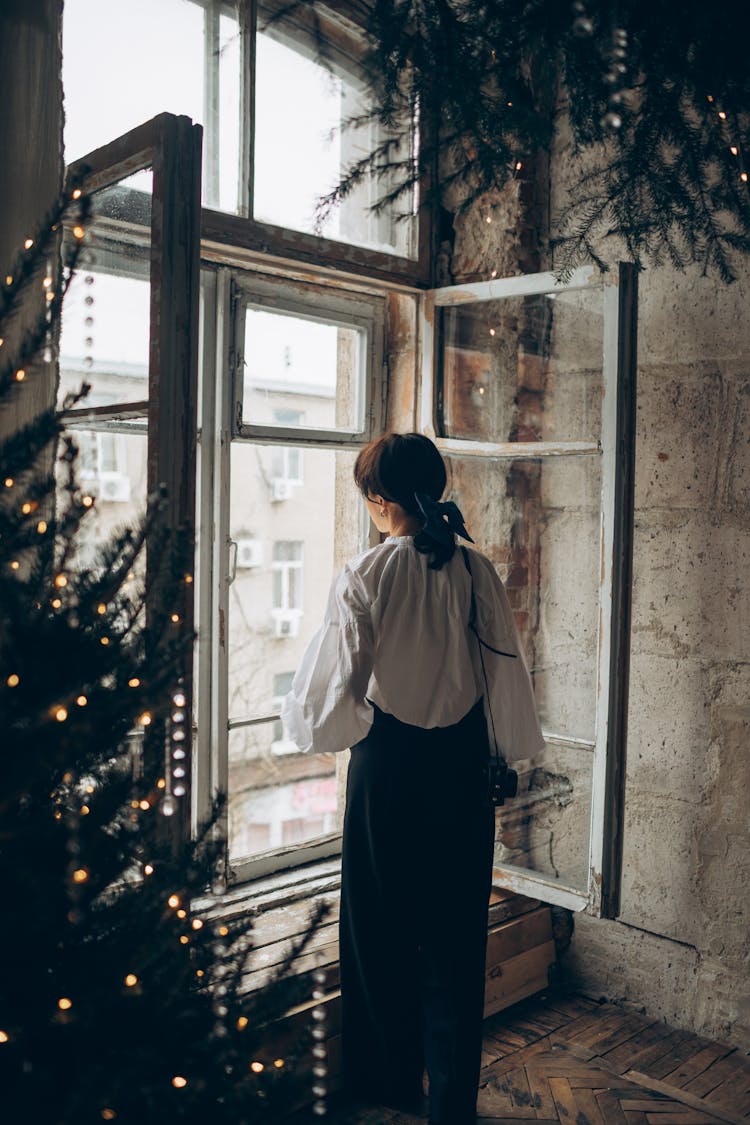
74,797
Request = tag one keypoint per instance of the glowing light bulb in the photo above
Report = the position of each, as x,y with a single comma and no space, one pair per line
733,149
145,719
199,973
278,1063
41,527
61,714
78,232
20,375
242,1023
188,578
56,603
64,1004
131,980
743,177
9,482
161,783
197,923
135,682
81,700
494,273
257,1067
85,810
15,564
182,913
175,618
223,931
183,939
722,115
489,219
28,243
144,805
101,608
519,165
179,1082
26,508
173,901
104,641
493,332
61,581
87,501
109,1114
77,193
80,875
4,1036
148,869
13,680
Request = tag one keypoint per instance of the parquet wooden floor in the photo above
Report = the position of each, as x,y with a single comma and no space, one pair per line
567,1060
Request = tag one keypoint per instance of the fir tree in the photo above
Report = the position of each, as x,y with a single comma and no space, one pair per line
120,998
657,97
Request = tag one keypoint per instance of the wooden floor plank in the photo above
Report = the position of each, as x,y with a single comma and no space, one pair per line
563,1097
611,1108
685,1098
694,1065
712,1077
627,1055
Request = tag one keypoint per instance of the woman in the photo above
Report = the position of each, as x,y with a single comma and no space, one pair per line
395,673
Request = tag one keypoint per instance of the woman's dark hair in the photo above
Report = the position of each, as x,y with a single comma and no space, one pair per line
395,466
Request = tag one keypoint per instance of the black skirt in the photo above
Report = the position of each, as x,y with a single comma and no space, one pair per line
416,876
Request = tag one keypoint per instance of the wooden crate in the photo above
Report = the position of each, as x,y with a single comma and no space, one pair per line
520,952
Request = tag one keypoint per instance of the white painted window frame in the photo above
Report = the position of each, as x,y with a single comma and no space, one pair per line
226,292
619,296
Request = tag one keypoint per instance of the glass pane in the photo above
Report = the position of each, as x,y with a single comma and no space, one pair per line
317,365
540,524
545,828
277,798
111,469
524,368
176,56
104,338
288,552
301,148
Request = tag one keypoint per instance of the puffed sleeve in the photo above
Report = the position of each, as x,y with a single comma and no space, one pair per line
511,694
326,710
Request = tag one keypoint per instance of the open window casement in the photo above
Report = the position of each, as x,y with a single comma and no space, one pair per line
130,329
528,389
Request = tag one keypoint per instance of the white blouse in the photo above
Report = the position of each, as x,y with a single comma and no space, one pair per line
396,632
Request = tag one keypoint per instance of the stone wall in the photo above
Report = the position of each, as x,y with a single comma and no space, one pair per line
680,948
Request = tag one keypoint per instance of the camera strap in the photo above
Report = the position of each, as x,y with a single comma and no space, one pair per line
482,644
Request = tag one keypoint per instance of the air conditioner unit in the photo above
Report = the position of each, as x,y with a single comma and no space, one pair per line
286,624
114,488
281,489
249,553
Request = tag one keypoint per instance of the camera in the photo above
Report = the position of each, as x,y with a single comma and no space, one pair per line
503,781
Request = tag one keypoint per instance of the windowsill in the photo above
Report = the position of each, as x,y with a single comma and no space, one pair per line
318,879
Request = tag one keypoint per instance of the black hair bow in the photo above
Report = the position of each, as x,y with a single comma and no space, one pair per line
441,521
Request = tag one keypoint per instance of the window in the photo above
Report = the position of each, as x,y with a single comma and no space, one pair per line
533,407
250,72
287,576
291,378
282,683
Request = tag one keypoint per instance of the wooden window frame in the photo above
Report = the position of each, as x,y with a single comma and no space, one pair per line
171,147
